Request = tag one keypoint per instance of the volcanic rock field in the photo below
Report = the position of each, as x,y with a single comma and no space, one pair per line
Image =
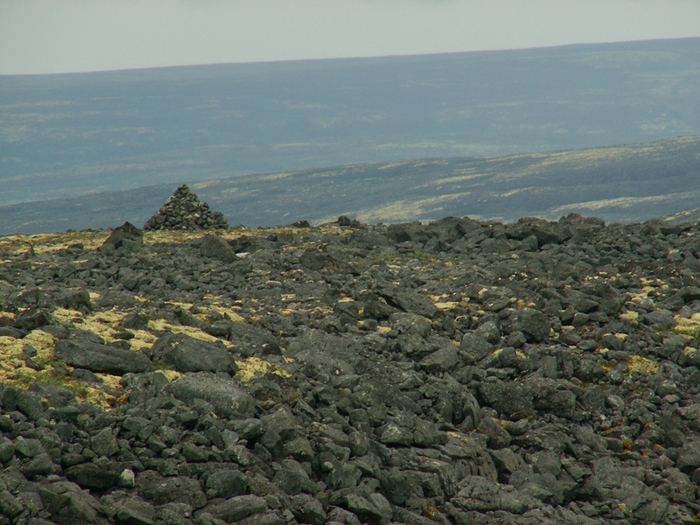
458,372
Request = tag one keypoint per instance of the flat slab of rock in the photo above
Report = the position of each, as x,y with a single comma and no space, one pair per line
101,358
228,399
238,508
91,476
481,494
187,354
162,490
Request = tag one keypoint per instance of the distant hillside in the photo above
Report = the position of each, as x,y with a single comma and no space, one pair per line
622,184
687,216
70,135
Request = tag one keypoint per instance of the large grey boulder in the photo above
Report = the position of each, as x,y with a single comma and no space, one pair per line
101,358
126,238
229,399
187,354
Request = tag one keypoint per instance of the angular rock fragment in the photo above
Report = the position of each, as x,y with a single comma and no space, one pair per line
227,483
474,348
29,403
442,360
481,494
216,247
161,490
10,506
33,318
74,299
689,458
508,399
306,509
373,509
533,323
186,354
66,503
226,397
127,238
238,508
101,358
91,476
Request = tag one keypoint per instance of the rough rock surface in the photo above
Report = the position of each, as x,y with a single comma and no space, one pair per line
184,211
458,372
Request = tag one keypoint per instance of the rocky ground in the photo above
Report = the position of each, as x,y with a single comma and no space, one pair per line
459,372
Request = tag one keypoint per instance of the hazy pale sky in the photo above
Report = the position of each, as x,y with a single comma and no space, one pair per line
52,36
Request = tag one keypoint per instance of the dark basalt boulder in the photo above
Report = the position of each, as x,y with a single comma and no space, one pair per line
33,318
91,476
226,397
74,299
127,238
101,358
533,323
186,354
217,248
160,490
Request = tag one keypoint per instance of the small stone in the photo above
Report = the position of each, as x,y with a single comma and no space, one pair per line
9,505
443,360
216,247
127,478
474,348
238,508
396,487
126,238
104,443
307,509
533,323
40,465
393,434
498,437
227,483
689,458
91,476
186,354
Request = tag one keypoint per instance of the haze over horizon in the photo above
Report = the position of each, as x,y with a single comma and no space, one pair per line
43,37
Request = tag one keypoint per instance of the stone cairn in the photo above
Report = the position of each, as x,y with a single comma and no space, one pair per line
184,211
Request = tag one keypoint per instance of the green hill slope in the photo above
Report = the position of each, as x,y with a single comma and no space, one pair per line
622,183
69,135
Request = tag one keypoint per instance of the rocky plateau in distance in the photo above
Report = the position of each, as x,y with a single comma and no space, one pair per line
457,372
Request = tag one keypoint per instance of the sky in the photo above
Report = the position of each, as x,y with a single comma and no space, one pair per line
59,36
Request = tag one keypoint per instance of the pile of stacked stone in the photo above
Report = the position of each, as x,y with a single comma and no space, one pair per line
184,211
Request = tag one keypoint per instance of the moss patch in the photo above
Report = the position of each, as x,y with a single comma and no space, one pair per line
103,324
642,365
688,328
629,316
250,367
15,372
161,325
213,307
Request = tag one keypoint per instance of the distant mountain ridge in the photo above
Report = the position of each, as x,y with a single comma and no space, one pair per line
64,136
626,183
685,216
